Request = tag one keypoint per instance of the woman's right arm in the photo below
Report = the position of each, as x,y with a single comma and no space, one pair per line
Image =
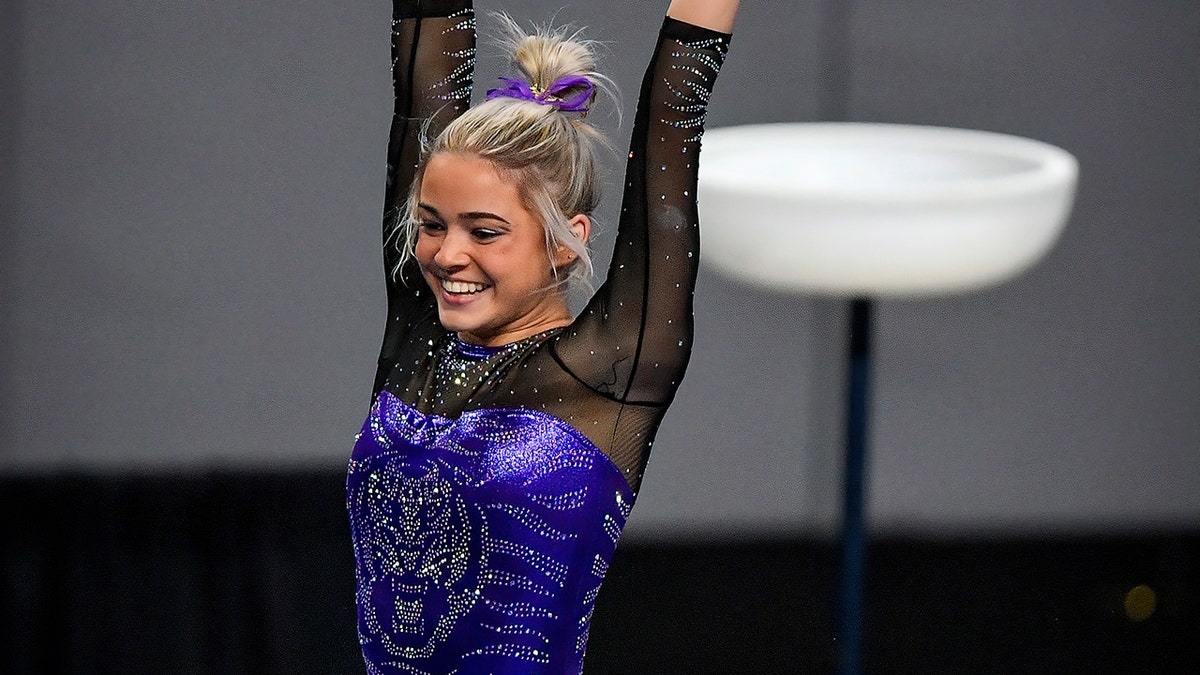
433,63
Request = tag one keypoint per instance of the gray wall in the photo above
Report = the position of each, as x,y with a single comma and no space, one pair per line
191,279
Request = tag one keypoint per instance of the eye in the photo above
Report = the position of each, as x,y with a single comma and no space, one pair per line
485,234
431,227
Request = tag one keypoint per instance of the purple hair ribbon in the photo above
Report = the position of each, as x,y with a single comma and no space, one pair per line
521,89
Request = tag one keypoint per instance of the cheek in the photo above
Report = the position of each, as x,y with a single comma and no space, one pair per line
534,256
425,249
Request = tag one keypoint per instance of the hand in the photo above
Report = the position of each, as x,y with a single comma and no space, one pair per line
715,15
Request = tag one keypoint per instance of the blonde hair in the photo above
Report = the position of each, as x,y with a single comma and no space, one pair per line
548,153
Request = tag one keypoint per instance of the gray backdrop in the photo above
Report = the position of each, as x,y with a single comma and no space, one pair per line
190,276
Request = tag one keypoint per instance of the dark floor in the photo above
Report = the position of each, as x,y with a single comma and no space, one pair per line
254,574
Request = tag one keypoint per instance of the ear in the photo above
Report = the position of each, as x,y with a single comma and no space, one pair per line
581,228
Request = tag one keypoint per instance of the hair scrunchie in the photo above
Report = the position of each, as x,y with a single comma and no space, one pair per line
521,89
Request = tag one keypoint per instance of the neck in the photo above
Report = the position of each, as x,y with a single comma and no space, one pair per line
511,334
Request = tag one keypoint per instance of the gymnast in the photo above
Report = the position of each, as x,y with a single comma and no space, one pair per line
507,439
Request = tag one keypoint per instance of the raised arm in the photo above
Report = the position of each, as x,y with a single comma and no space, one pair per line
433,63
633,340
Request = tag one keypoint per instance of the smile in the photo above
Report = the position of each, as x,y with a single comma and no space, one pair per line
462,287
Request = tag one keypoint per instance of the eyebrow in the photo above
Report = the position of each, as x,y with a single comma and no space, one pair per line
467,215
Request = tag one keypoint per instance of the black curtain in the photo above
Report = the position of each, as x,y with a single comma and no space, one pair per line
253,573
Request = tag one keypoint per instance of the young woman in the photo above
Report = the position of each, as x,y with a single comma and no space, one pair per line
507,439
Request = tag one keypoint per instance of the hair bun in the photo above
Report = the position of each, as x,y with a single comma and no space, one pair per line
557,64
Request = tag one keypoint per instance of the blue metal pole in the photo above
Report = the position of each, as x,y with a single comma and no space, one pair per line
854,536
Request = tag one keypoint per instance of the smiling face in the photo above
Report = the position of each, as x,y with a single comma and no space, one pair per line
484,254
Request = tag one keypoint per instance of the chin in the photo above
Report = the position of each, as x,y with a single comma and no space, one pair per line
454,321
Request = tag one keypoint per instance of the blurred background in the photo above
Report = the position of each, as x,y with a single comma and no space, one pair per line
191,304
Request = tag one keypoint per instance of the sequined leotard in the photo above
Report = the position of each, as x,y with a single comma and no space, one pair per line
489,485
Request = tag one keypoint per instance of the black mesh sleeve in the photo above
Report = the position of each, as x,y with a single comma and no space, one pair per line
633,339
433,63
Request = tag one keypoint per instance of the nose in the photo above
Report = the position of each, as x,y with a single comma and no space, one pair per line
454,251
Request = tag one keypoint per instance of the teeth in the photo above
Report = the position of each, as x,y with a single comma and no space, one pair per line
462,286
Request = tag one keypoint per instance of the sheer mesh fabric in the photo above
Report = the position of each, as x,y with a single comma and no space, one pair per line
433,62
614,370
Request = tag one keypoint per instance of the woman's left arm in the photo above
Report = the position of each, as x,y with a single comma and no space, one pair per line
633,340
